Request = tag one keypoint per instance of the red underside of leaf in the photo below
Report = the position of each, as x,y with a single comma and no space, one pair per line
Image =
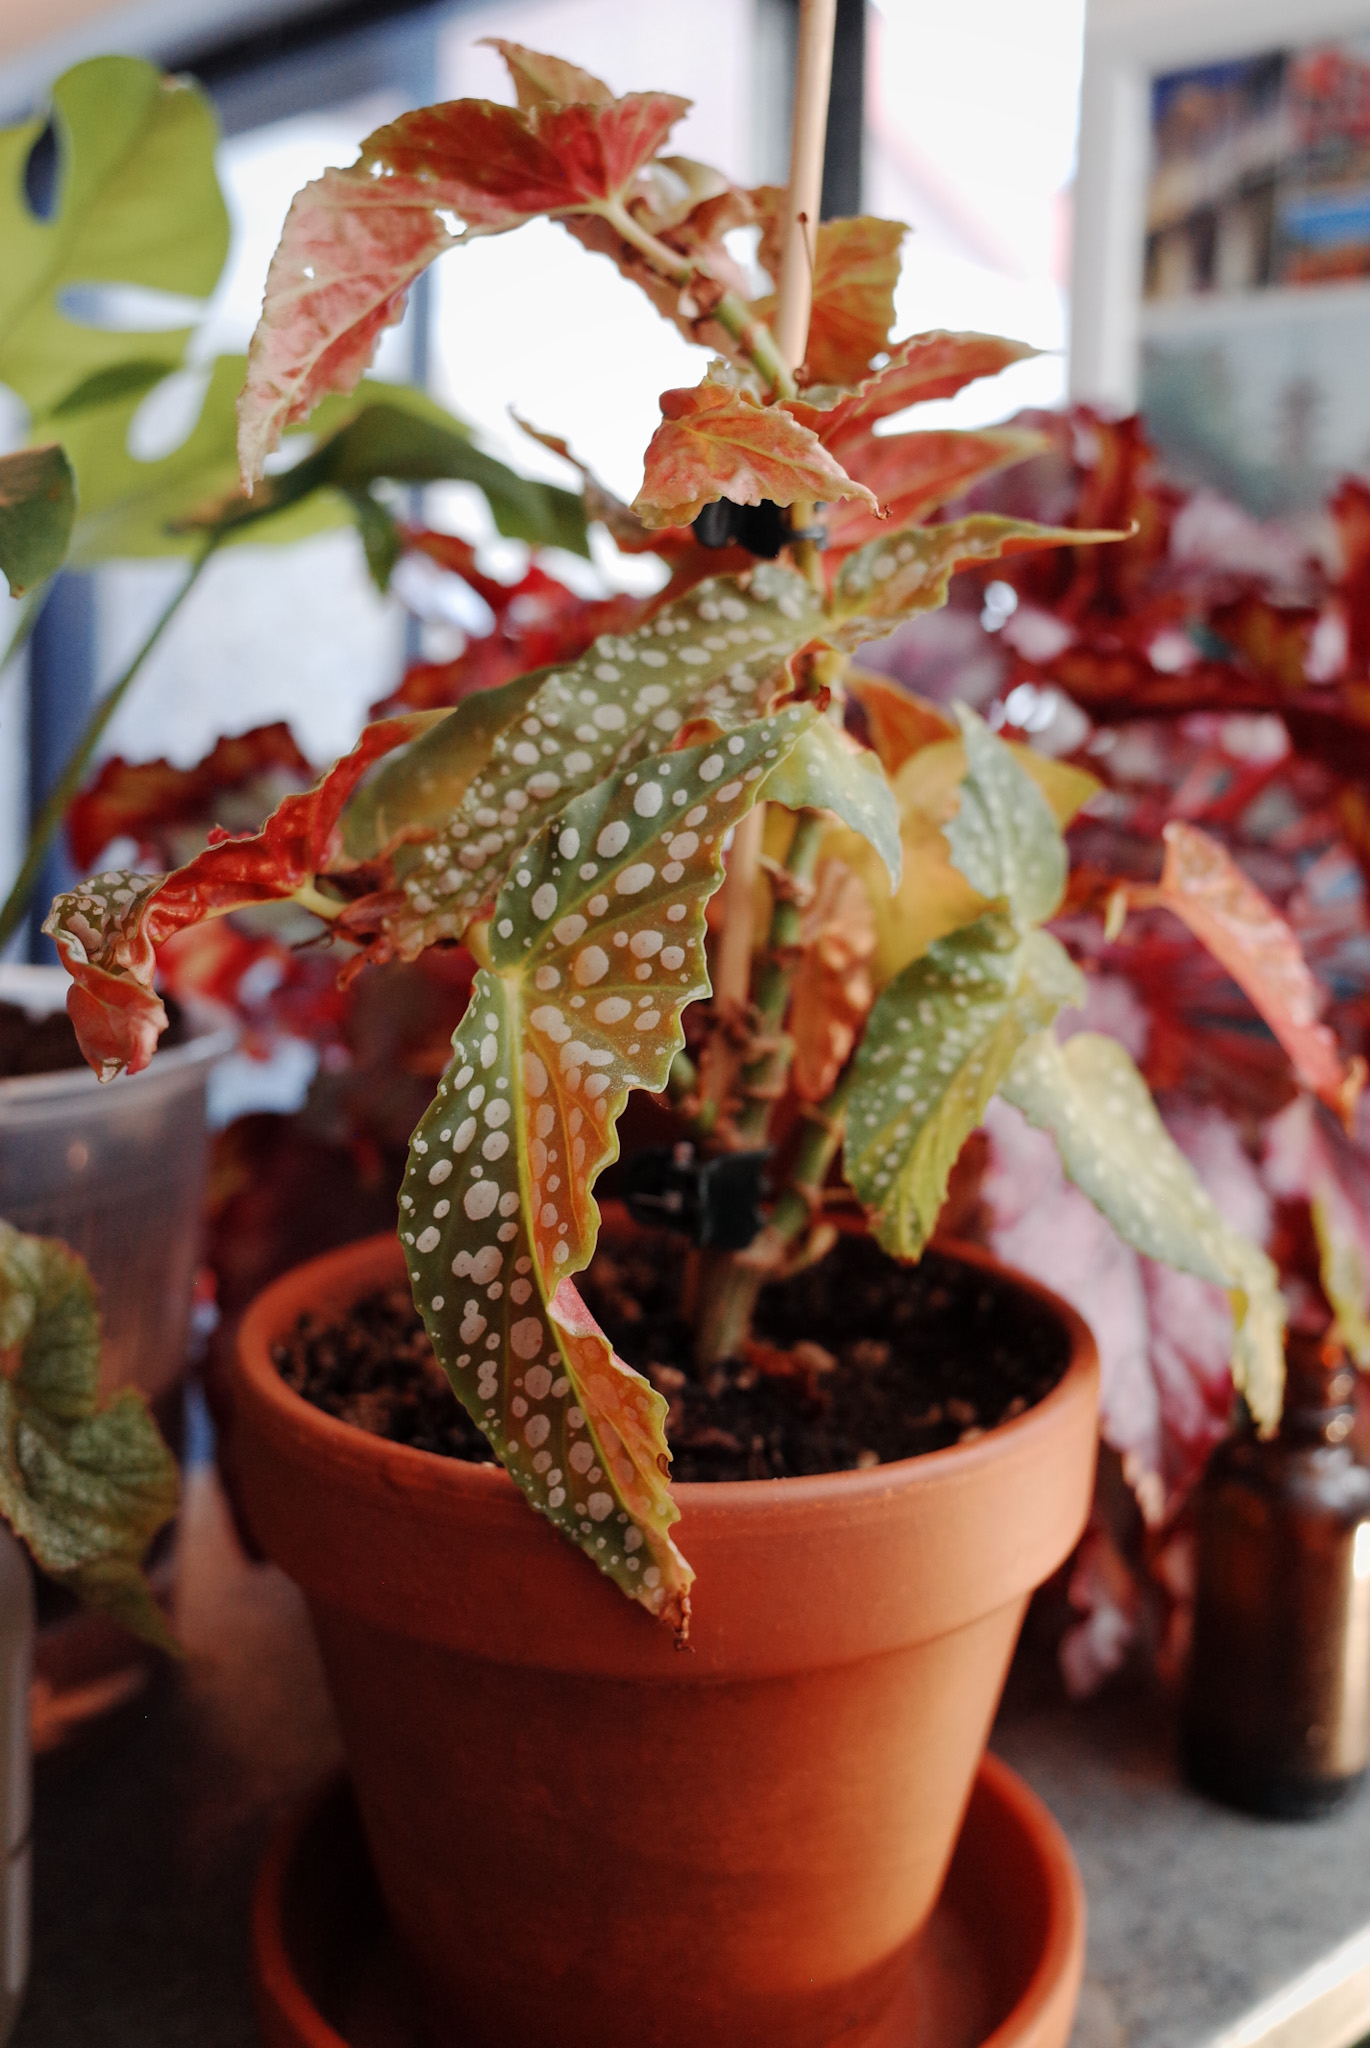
1203,886
139,799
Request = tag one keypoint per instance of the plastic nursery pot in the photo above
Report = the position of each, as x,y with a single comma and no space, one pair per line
584,1835
118,1172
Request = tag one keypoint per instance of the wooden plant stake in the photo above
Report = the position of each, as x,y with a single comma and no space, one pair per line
813,78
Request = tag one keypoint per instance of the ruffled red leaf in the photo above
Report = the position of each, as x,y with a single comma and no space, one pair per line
913,474
107,931
715,442
142,799
926,366
1204,887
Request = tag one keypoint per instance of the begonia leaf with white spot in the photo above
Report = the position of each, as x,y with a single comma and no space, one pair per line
828,771
719,653
420,788
939,1042
894,578
1004,838
596,946
1113,1145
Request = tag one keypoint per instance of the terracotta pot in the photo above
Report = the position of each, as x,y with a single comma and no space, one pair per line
584,1835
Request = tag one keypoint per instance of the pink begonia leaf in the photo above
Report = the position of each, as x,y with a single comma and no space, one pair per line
108,930
926,366
1205,888
351,247
715,442
913,474
540,80
856,268
355,240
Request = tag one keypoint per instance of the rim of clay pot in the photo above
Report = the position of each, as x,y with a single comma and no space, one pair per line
968,1528
41,990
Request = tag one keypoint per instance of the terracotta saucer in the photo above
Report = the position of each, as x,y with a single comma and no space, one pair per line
999,1965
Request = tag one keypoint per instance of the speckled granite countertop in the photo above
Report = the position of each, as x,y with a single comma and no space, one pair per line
146,1846
1201,1921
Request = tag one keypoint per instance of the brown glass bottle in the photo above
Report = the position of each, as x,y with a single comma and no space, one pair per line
1276,1714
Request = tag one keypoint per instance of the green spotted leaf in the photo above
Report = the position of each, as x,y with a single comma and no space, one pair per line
1004,838
939,1042
85,1485
827,771
597,945
1113,1145
37,506
719,653
416,789
895,577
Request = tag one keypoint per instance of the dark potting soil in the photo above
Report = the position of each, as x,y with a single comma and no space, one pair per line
47,1045
854,1363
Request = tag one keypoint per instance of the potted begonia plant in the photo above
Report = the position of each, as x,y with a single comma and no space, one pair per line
718,1808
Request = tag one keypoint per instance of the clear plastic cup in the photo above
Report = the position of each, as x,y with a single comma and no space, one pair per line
117,1170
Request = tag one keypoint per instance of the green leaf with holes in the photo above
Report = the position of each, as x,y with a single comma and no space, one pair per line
136,202
37,506
1004,838
938,1043
719,654
85,1484
1113,1145
894,578
596,945
828,771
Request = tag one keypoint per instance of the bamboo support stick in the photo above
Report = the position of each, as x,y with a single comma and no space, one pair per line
813,77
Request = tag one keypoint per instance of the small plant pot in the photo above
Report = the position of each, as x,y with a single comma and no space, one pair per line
585,1835
118,1172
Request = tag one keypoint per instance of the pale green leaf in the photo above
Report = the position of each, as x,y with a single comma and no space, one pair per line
418,787
896,577
1342,1272
719,653
597,945
86,1485
827,771
37,505
937,1044
1113,1145
137,203
1004,837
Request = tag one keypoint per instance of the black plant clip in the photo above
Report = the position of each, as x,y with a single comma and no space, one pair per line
763,530
716,1202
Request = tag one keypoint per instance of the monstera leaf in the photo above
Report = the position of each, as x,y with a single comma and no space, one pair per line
37,506
719,653
596,946
135,202
129,507
1113,1145
86,1485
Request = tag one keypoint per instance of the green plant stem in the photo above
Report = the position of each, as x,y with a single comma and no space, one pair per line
764,1077
730,1282
48,822
732,313
683,1086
